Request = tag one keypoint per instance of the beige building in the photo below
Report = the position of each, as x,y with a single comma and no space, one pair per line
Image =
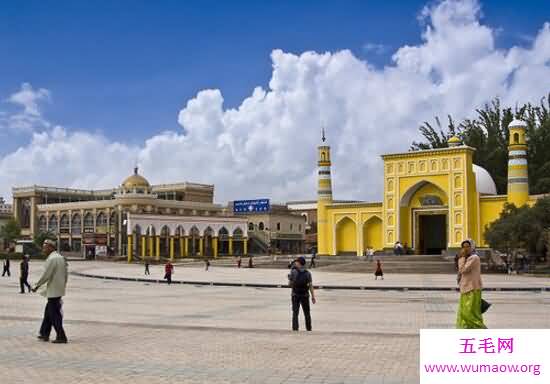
5,215
82,220
279,228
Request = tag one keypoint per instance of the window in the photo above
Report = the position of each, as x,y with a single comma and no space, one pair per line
76,224
299,227
88,220
42,223
261,226
278,226
516,138
101,219
291,226
250,226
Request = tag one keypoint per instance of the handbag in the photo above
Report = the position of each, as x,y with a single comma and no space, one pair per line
485,305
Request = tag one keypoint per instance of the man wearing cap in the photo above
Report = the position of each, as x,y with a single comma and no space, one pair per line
301,283
55,277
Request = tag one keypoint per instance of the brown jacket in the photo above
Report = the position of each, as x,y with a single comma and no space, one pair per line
470,271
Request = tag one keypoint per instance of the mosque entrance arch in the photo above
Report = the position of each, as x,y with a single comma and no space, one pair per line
424,223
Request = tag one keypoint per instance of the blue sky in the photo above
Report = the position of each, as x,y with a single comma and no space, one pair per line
125,68
90,88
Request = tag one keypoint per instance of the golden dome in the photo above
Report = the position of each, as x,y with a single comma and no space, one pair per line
454,141
135,181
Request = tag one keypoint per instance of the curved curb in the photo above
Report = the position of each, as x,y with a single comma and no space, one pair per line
324,286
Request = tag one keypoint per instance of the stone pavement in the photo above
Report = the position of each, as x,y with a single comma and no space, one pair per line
140,332
278,277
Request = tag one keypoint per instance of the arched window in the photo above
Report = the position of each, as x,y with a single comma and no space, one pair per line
88,220
76,224
516,138
42,223
101,219
52,225
261,226
64,224
250,226
278,226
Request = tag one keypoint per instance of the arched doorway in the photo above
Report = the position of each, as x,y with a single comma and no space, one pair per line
207,242
179,242
223,238
194,239
346,237
372,234
238,247
137,246
165,241
424,210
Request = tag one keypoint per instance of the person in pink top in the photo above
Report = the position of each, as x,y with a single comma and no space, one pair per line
469,306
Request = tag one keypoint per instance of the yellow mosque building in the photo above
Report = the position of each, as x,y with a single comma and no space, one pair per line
433,199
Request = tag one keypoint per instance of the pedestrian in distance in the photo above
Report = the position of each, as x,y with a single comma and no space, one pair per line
55,276
301,282
206,264
239,262
147,272
378,271
24,274
469,314
6,267
250,263
313,257
168,270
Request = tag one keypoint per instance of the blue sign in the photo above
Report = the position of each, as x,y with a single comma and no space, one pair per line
249,206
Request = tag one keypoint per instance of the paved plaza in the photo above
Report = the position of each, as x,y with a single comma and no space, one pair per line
145,332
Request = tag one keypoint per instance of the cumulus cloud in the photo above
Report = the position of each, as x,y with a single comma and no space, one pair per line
266,147
30,118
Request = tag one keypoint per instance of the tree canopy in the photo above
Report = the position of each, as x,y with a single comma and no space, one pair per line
521,228
488,134
10,231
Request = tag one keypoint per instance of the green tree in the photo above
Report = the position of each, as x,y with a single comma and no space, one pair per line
521,228
488,134
10,231
41,236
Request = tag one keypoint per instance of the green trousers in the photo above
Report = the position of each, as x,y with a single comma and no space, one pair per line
469,311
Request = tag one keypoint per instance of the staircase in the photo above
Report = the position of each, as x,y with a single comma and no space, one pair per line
257,242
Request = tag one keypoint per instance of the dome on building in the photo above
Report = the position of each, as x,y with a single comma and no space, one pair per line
454,141
135,181
517,123
484,182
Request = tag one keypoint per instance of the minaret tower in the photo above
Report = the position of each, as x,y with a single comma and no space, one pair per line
324,197
518,182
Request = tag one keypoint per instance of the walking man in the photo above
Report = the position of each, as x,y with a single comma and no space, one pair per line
55,277
24,274
313,257
147,267
301,283
6,266
168,270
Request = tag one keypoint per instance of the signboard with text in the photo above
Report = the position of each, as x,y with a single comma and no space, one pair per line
251,206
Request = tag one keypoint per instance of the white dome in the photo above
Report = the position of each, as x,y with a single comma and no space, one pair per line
484,182
517,123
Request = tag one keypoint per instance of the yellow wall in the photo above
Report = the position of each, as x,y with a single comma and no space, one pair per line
490,209
372,234
346,236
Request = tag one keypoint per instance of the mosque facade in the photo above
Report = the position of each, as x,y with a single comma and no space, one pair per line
433,200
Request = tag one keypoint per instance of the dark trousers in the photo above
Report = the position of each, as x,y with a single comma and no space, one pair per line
298,301
6,270
168,277
53,317
24,283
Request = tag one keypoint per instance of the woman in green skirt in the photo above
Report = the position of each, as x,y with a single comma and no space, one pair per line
469,306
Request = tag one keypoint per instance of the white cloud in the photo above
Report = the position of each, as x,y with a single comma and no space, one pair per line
267,146
30,118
